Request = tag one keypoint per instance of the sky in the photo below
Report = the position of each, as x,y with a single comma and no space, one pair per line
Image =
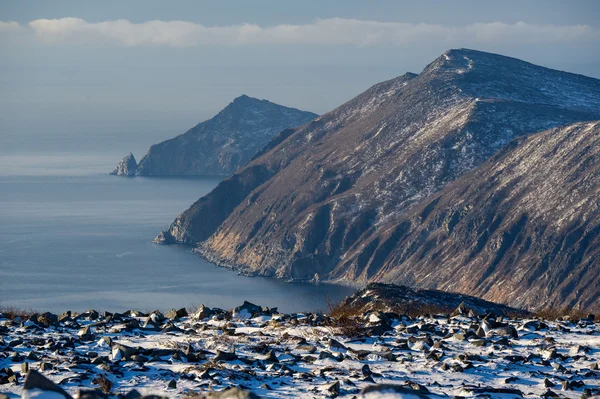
120,75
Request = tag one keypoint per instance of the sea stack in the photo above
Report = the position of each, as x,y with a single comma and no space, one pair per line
127,167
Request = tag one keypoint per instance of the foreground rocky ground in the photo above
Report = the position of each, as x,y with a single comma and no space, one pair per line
263,353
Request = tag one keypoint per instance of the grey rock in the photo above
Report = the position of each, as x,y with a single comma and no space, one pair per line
127,167
225,356
122,352
271,357
86,334
47,319
232,393
202,313
176,314
247,308
391,389
45,366
35,380
332,389
493,392
92,394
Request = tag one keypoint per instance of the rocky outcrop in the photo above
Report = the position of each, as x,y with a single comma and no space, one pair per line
224,143
405,300
127,167
318,202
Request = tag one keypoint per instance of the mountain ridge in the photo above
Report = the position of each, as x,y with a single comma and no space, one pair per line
302,206
223,143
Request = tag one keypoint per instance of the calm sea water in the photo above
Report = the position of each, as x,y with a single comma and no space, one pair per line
84,241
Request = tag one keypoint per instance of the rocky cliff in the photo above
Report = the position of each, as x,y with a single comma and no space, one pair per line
224,143
524,228
310,203
127,167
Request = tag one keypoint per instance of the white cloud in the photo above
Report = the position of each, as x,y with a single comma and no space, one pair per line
10,26
328,32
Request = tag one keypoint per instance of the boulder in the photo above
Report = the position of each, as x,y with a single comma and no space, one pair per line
35,380
391,391
247,310
232,393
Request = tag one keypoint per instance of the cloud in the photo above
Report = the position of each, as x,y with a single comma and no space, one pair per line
10,27
325,32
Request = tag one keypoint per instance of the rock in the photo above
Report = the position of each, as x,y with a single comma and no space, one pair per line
460,310
45,366
507,393
480,332
122,352
331,356
332,389
232,393
86,334
335,345
133,394
550,394
66,316
548,383
35,380
92,394
507,331
271,357
202,313
47,319
247,310
176,314
225,356
127,167
132,325
172,384
391,390
366,370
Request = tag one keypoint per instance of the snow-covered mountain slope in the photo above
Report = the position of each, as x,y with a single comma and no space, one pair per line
299,209
224,143
523,228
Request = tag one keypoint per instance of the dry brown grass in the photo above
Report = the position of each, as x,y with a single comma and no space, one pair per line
565,313
346,319
420,309
12,313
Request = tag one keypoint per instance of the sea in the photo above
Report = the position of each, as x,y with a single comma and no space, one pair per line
74,238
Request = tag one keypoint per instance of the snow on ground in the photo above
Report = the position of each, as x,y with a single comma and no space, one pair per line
303,355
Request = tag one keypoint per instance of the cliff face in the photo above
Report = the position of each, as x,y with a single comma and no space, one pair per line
315,201
524,228
221,145
127,167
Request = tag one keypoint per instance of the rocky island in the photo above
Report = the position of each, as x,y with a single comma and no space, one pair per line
127,167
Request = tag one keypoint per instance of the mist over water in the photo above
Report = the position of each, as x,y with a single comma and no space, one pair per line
74,238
